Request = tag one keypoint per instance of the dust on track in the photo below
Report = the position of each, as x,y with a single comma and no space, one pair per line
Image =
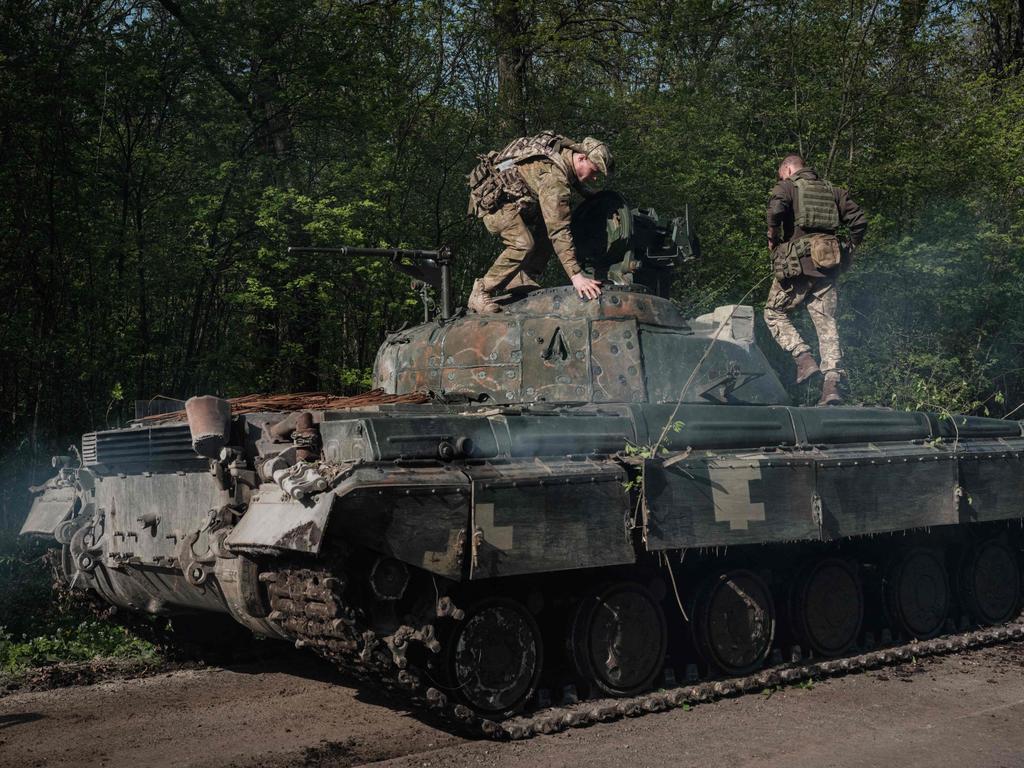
963,709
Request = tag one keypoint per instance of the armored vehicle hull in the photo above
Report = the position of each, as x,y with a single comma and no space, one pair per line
600,498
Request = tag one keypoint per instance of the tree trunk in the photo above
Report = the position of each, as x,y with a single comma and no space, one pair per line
512,29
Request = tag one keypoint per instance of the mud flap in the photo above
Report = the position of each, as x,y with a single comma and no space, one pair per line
277,521
50,509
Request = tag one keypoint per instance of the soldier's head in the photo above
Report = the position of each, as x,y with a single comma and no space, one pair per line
591,157
790,164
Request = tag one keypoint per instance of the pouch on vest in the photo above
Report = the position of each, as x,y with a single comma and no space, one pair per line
485,192
815,206
496,179
786,260
825,251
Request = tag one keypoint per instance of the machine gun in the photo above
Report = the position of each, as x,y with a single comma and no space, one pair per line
430,268
628,246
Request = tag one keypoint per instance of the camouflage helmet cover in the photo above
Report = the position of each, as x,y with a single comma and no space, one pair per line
598,153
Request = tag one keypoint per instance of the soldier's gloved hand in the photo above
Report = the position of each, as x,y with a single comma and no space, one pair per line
586,287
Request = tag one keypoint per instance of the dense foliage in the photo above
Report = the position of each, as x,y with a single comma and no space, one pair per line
39,627
156,158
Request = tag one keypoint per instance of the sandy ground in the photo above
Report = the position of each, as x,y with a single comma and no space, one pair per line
959,711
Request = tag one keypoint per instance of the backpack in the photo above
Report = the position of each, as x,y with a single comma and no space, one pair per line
496,181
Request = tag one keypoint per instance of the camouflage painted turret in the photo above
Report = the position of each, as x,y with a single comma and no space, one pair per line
596,498
626,347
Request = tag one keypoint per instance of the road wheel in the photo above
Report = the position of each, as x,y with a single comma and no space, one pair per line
989,582
494,657
618,639
827,606
916,593
734,621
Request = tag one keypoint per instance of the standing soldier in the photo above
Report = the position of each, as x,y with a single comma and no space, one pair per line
804,215
523,194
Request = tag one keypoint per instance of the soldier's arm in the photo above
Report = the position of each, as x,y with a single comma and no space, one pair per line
851,215
555,198
779,203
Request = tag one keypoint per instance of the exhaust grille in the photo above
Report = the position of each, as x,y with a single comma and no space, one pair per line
89,449
139,446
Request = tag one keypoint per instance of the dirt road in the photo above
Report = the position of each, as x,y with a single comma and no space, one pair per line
958,711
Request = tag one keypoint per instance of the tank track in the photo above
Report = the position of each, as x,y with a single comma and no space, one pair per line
308,604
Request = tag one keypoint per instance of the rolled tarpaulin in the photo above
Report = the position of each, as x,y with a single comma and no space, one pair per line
209,421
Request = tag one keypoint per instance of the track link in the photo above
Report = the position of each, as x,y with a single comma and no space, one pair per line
308,603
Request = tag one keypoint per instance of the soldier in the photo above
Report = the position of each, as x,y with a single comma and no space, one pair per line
523,194
804,215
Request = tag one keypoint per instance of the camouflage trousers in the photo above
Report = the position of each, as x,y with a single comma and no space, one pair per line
818,295
527,249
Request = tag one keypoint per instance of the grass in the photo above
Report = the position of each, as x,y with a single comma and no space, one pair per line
88,640
40,626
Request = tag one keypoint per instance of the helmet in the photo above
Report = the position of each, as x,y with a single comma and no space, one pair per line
599,154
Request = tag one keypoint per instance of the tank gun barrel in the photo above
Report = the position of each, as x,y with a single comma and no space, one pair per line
432,267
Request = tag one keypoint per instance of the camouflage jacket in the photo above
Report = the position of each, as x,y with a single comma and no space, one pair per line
536,175
782,211
550,188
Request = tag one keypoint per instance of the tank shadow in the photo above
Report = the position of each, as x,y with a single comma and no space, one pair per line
19,718
307,666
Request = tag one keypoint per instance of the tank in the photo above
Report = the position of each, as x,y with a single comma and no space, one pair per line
562,513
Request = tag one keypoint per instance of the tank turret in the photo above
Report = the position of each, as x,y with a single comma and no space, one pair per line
626,346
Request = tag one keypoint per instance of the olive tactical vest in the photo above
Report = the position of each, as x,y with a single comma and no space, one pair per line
815,206
496,181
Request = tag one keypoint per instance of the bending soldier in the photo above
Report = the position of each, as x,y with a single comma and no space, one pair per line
804,215
523,194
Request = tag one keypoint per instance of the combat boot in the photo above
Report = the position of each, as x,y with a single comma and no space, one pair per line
805,367
831,391
481,301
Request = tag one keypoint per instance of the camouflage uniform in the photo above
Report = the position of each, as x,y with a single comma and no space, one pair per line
817,294
534,227
523,194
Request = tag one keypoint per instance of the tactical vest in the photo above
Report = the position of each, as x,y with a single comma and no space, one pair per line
815,213
815,206
496,181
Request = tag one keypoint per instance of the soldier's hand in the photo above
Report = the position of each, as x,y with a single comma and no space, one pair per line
585,287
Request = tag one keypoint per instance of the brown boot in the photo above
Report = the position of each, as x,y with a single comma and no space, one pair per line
481,301
831,391
805,367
